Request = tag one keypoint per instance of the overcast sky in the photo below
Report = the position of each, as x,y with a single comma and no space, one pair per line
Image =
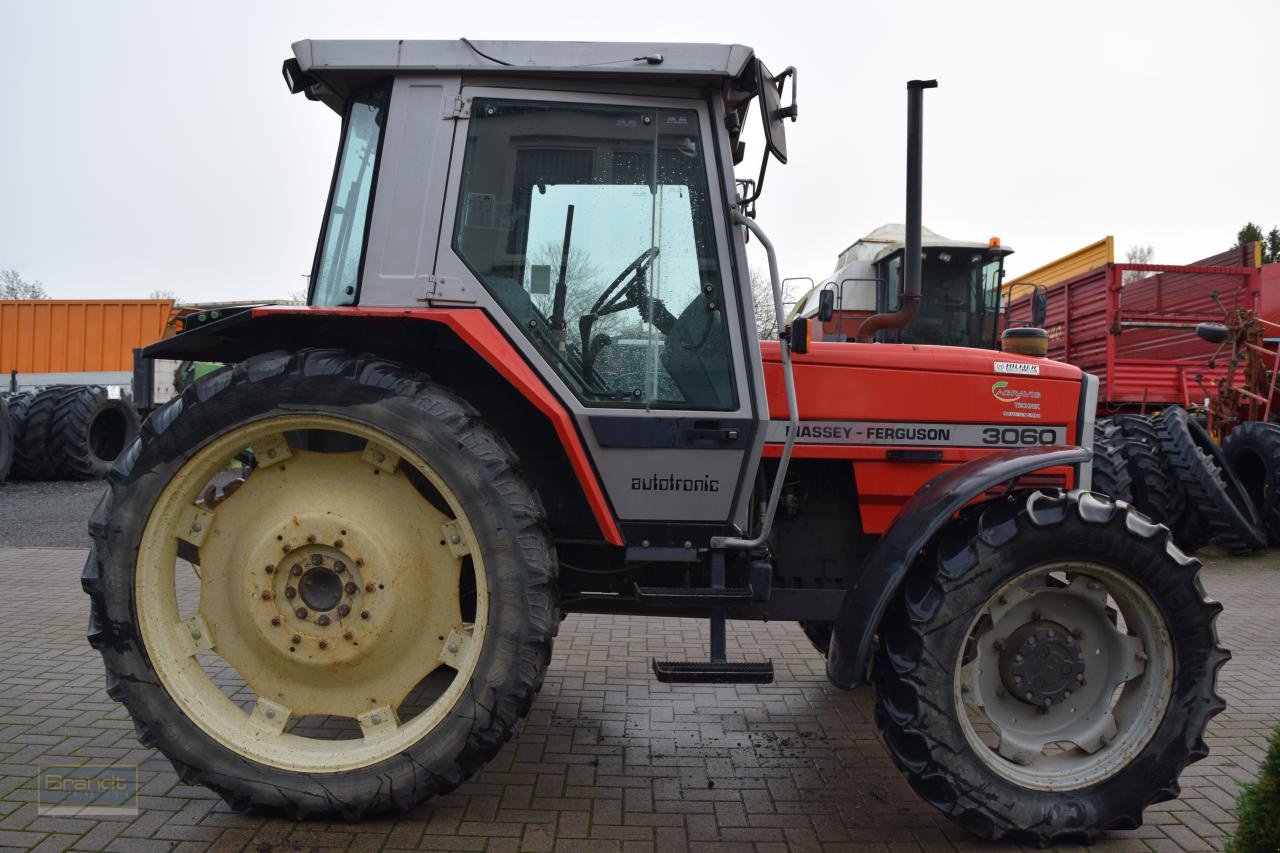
153,146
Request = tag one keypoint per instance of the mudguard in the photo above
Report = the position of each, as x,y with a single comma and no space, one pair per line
236,334
921,518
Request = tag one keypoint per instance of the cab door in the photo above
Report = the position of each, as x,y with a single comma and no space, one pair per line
595,230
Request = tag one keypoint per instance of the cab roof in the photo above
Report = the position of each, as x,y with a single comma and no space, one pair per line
343,66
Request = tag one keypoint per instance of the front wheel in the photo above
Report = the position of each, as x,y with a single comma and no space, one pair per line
320,586
1048,669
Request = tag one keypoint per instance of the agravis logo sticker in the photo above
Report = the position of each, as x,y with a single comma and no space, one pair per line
1002,392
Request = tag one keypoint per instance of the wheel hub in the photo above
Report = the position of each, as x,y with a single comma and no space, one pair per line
1042,663
320,588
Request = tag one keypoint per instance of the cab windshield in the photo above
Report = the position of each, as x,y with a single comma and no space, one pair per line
961,290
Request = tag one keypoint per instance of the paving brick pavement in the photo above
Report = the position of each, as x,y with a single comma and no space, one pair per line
609,759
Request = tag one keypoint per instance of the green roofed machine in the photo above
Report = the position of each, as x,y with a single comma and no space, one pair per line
326,579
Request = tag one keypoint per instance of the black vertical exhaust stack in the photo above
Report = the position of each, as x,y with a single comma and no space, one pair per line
909,304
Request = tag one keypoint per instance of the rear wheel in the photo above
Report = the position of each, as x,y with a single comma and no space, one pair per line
1030,680
350,623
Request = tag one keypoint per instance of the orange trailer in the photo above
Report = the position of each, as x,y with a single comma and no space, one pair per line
39,337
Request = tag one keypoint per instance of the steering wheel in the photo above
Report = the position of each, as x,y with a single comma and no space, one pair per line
635,294
627,290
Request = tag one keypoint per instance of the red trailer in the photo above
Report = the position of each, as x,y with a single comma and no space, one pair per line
1133,326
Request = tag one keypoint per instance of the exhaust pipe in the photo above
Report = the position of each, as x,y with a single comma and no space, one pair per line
909,304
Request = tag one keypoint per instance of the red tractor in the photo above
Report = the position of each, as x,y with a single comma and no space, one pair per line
325,580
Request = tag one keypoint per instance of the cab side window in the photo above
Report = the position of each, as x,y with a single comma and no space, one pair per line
591,225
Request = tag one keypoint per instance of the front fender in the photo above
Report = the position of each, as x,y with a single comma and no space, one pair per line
921,518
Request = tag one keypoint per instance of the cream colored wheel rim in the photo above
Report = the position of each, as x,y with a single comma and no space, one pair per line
328,586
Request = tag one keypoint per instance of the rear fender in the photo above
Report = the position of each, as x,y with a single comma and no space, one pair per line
928,511
402,335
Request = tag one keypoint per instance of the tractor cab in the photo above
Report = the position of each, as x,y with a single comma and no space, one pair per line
960,285
583,196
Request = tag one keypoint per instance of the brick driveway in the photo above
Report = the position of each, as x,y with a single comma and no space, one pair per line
609,759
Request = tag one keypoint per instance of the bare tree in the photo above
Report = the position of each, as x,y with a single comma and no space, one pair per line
163,294
1138,254
14,286
762,308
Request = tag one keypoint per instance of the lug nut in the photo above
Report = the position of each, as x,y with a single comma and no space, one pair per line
290,592
316,559
295,639
347,635
324,644
266,595
311,539
296,569
322,620
364,614
275,620
1017,658
368,587
339,566
998,645
269,569
301,613
344,609
359,561
337,543
350,588
286,547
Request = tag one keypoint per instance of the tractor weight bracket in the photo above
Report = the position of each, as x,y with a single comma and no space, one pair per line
788,378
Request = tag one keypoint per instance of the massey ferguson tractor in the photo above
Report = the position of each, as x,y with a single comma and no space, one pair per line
326,579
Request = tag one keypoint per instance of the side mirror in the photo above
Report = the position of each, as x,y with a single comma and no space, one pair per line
771,109
1039,306
798,336
826,305
1214,333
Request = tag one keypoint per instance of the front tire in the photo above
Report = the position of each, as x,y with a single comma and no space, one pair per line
1028,595
376,587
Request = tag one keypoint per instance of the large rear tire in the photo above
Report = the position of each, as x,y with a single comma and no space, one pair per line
1156,492
1253,452
1212,486
33,457
352,622
1091,610
6,438
89,431
1110,474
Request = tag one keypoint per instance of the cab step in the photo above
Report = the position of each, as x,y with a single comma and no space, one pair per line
686,596
712,672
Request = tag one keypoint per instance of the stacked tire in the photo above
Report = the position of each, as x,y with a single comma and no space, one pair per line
1252,451
1173,473
67,432
1222,506
6,439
